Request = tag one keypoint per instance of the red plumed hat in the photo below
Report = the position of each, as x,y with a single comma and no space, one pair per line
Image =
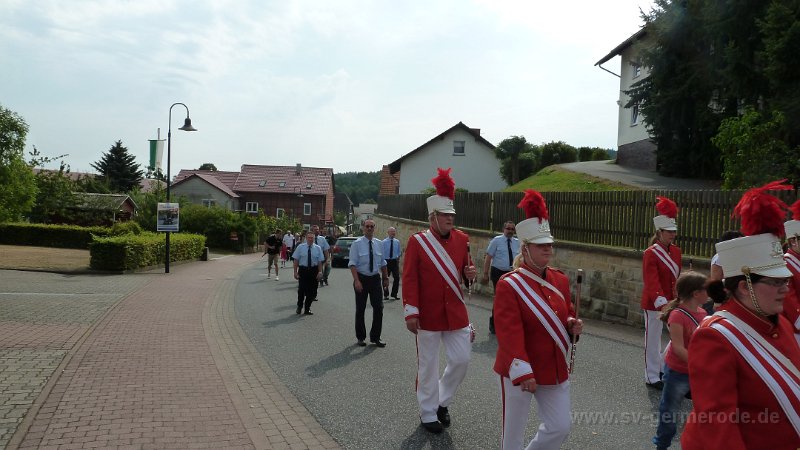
761,212
667,207
534,205
444,183
795,209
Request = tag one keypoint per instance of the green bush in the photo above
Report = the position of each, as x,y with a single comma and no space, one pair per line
133,251
128,227
41,235
558,153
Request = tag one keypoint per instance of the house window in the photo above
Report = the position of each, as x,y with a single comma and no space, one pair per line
263,183
458,147
251,207
209,202
282,184
637,70
306,209
635,114
308,186
280,212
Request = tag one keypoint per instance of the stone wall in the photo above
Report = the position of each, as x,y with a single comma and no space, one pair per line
612,281
638,155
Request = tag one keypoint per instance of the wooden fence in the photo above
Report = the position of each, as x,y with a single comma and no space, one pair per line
616,218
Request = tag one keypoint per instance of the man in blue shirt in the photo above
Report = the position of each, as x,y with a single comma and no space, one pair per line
392,252
308,262
368,268
326,249
500,257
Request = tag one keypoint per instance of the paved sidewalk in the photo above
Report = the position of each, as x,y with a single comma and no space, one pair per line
643,179
166,367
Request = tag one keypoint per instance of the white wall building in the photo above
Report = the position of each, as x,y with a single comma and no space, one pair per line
475,166
634,147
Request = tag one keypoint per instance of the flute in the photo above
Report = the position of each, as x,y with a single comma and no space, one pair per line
577,309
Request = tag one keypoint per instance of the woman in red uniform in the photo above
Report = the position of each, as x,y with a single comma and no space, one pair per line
743,361
534,321
661,265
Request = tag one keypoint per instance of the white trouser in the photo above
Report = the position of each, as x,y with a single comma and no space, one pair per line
653,358
553,405
433,391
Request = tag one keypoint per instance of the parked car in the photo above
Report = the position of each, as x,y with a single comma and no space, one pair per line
340,252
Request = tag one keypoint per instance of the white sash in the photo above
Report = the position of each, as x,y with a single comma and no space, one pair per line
665,258
541,281
541,310
792,261
775,359
439,257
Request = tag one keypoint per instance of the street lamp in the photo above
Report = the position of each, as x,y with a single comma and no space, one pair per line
187,126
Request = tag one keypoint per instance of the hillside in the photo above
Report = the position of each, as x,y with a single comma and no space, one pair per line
553,178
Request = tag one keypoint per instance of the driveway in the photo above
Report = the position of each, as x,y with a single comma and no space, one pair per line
642,179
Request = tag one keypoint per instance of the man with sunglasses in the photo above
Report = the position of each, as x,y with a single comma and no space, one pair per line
500,258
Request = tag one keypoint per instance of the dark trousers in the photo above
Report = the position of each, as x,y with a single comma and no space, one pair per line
370,286
393,268
307,288
495,275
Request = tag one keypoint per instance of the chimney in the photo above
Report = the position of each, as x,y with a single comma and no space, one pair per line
297,169
477,131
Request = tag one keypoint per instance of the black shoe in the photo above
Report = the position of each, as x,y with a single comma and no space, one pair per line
386,297
379,343
361,344
657,385
309,313
433,427
443,415
298,310
396,297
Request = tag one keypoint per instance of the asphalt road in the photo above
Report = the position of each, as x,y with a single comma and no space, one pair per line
364,397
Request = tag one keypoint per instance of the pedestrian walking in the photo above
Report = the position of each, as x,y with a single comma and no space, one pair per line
369,279
535,320
392,250
500,258
287,248
660,269
437,262
272,248
743,361
682,317
308,260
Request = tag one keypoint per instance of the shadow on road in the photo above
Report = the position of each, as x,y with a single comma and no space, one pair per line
422,439
338,360
487,346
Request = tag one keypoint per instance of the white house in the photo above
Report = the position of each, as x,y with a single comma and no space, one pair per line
634,146
475,166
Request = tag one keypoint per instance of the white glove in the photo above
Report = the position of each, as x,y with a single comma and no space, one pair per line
660,301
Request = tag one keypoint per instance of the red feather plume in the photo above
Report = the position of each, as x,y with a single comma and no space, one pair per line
761,212
444,184
667,207
795,209
534,206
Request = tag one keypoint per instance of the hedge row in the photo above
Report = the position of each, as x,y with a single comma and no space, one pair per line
41,235
131,251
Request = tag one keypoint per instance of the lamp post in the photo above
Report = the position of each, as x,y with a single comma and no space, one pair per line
187,126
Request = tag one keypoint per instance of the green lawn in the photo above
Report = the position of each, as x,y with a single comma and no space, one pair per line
555,179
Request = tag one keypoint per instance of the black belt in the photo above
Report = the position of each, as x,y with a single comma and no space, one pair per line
361,275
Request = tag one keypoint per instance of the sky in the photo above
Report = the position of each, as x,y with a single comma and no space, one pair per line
346,84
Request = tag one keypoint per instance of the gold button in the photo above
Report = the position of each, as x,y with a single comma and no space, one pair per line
775,335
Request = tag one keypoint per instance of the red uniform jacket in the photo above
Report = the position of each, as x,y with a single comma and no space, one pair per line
521,337
791,303
725,390
658,279
425,293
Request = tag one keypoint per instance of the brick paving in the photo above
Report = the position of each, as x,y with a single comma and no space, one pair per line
166,367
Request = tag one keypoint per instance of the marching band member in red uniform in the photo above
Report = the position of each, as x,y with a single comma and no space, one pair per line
743,360
791,304
534,319
436,262
660,269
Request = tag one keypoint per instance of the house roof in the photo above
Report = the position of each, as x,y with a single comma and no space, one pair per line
621,47
210,179
476,132
227,178
285,179
91,200
151,185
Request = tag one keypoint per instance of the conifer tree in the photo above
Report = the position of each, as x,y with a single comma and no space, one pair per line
119,168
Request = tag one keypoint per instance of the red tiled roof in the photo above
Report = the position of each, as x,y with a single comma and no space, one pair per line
311,180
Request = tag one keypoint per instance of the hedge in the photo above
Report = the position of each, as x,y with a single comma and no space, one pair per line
131,251
41,235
